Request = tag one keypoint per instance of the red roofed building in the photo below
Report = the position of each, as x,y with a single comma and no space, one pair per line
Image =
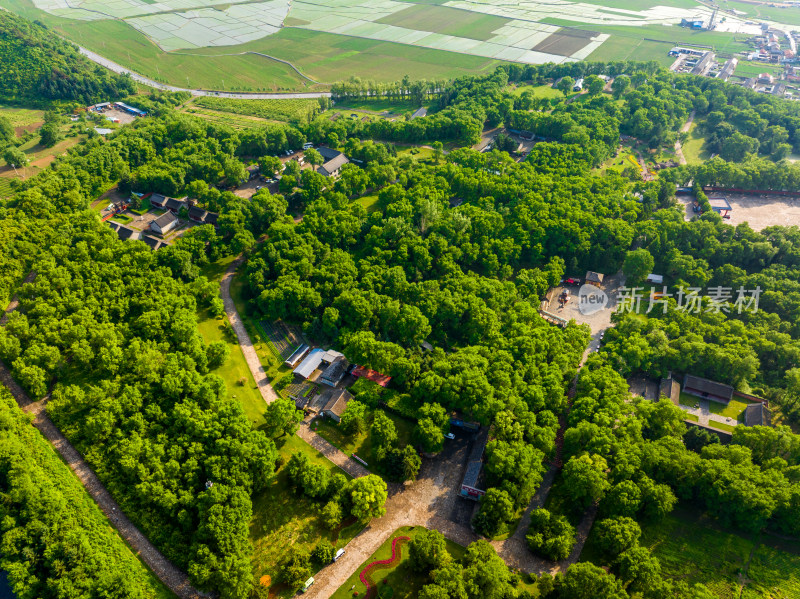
371,375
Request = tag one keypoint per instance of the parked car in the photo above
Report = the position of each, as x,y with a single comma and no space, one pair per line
571,281
339,554
450,436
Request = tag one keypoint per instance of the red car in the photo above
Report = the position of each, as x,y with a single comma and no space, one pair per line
572,281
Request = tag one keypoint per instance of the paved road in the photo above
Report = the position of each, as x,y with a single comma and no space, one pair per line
250,355
172,577
113,66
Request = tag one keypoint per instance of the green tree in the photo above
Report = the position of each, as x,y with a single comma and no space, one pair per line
323,552
637,265
283,417
428,435
620,85
270,166
496,508
383,433
367,497
594,84
353,420
217,352
565,85
50,134
13,155
584,580
332,514
618,534
585,479
295,569
550,535
313,157
428,551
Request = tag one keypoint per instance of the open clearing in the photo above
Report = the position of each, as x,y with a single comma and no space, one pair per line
757,210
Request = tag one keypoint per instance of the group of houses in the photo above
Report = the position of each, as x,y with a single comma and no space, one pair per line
166,222
328,369
757,412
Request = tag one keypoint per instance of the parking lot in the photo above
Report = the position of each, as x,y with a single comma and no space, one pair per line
760,211
599,321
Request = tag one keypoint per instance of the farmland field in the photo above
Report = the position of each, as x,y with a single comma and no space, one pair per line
293,111
216,44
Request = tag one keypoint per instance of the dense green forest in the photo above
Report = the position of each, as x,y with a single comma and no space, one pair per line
456,251
55,541
37,66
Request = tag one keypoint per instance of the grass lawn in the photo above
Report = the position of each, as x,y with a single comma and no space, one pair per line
361,444
22,117
693,149
284,519
692,417
369,201
122,218
540,91
733,410
692,547
405,583
721,426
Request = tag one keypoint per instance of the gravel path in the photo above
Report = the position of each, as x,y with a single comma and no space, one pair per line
113,66
250,355
333,453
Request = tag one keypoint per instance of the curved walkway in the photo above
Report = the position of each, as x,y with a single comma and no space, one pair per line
250,355
113,66
173,578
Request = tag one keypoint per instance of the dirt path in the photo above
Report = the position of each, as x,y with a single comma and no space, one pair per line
172,577
250,355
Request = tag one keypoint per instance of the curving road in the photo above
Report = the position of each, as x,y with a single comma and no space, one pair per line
113,66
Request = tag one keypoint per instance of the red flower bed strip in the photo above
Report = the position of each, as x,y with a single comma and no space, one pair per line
366,574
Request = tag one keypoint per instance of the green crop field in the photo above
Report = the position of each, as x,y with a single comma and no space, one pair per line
450,21
293,111
226,119
753,69
623,48
789,16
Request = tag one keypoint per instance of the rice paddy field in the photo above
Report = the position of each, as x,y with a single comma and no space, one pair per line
219,44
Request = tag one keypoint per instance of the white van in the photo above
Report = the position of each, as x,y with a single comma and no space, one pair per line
308,145
307,585
339,554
